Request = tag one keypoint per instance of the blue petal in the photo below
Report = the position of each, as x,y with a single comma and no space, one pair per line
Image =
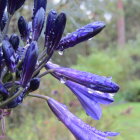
79,129
80,35
38,23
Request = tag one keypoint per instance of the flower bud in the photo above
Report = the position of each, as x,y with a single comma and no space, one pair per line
80,35
54,29
9,55
14,5
2,8
34,84
38,4
49,32
14,40
23,28
38,23
78,128
29,63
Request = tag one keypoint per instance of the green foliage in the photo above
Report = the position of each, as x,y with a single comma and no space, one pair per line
133,92
121,118
122,64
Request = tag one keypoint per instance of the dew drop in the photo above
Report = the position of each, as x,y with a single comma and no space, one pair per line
60,52
90,39
111,95
90,90
63,80
92,86
110,78
75,35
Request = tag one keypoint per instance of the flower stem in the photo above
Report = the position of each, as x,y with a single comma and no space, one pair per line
3,126
11,98
39,96
45,73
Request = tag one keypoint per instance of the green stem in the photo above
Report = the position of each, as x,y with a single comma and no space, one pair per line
45,73
3,126
39,96
11,98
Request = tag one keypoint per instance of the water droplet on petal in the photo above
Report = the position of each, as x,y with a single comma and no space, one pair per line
90,39
63,80
60,52
92,86
110,78
75,35
90,90
111,95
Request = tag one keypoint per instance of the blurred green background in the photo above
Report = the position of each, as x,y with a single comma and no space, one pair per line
114,52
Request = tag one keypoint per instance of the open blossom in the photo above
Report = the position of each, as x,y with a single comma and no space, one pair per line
79,129
89,98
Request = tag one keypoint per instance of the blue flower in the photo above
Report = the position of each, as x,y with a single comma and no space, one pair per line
38,23
9,55
14,5
38,4
23,28
34,84
14,40
78,128
29,63
90,99
93,81
54,30
80,35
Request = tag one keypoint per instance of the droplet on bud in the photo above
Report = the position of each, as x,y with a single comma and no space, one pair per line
60,52
90,90
63,80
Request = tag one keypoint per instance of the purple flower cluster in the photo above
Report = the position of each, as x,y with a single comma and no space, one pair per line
21,65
